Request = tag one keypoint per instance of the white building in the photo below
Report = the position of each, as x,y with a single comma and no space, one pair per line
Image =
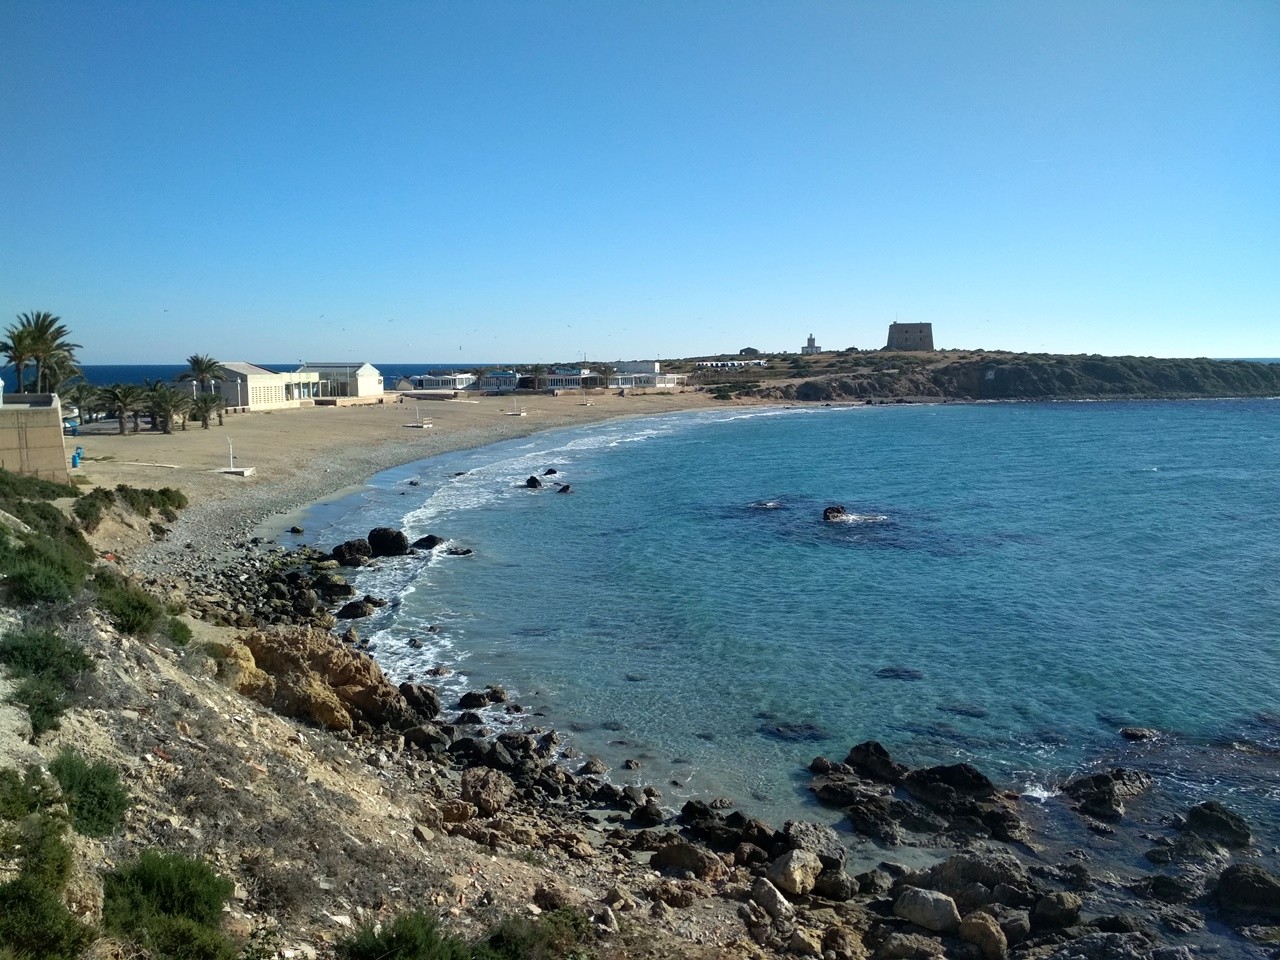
810,347
644,375
249,387
498,381
724,364
346,379
444,381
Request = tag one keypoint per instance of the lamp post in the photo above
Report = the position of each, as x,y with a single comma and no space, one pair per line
231,453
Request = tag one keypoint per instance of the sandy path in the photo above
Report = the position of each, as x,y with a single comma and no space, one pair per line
300,456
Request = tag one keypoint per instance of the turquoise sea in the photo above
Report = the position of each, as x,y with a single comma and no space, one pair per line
1017,582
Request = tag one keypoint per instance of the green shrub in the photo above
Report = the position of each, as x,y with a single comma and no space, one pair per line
47,666
46,701
93,793
132,610
23,795
36,925
90,508
165,885
18,486
410,936
177,632
41,568
167,500
558,934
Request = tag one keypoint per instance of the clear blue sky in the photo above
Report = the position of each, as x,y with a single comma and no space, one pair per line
541,180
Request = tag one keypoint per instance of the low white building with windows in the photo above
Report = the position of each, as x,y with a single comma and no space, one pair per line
498,381
247,386
346,379
443,381
644,375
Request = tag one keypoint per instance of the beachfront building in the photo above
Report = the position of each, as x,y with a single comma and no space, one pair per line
910,336
444,381
568,378
644,375
498,381
346,379
810,348
247,386
31,435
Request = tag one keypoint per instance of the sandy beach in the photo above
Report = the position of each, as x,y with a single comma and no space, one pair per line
308,454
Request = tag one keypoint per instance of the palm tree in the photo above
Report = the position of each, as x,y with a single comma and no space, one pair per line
204,370
164,403
84,396
18,348
205,405
122,399
51,347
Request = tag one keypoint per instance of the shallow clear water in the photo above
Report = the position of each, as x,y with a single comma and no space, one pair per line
1049,572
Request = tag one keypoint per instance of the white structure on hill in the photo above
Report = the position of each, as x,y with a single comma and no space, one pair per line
248,386
346,379
810,347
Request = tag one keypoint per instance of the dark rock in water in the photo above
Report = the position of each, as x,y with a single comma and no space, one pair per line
533,483
353,553
941,787
612,725
872,759
550,472
474,699
834,513
565,489
355,610
387,542
1166,889
964,710
1139,733
429,542
1102,795
459,551
422,698
793,732
1211,819
374,601
899,673
1056,911
297,531
1246,888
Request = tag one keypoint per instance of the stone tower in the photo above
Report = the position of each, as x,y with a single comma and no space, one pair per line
910,336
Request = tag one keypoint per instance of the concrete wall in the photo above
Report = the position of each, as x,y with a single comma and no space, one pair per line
31,436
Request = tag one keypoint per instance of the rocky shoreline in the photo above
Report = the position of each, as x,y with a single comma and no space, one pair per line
994,891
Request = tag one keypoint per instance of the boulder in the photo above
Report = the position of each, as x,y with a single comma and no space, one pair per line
355,610
833,513
474,700
421,698
817,839
428,737
927,908
1139,733
871,759
1056,911
533,483
795,872
908,946
486,788
429,542
1246,888
983,931
1211,819
353,553
565,489
771,900
682,855
835,885
387,542
1102,795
